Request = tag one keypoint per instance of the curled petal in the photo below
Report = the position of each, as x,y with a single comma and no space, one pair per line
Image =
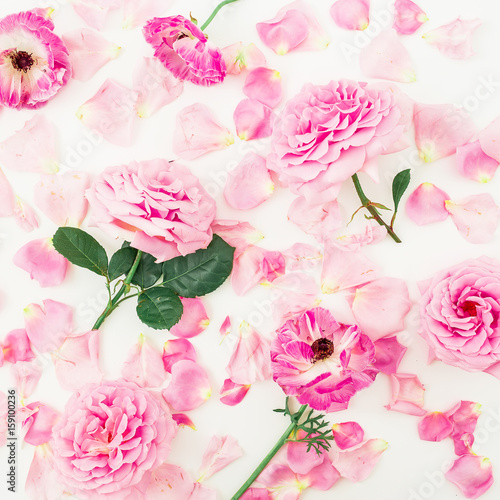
388,354
264,85
253,120
17,347
473,163
37,420
488,139
177,350
347,434
351,14
231,393
407,394
408,17
194,319
464,416
239,235
427,204
434,426
239,57
472,474
463,444
221,452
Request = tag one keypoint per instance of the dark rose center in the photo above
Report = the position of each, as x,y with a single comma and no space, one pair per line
469,308
182,35
21,60
322,349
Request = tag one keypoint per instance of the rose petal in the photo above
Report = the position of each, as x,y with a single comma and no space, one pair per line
388,354
95,12
7,197
408,17
253,120
239,235
473,163
43,480
169,478
232,394
17,347
407,394
221,451
26,217
427,204
264,85
464,416
239,57
435,426
302,256
351,14
176,350
37,420
347,434
488,139
472,474
26,375
194,319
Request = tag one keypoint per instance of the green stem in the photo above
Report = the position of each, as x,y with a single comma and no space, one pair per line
114,302
373,211
215,12
281,441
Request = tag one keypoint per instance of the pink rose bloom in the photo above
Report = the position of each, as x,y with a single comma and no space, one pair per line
159,206
460,315
109,438
326,133
34,62
183,49
320,361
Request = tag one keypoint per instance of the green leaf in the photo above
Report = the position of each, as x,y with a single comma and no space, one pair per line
81,249
399,186
121,262
148,272
201,272
379,205
159,308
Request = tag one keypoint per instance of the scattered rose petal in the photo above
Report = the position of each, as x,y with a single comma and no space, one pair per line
253,120
182,420
302,256
239,235
347,434
427,204
247,270
225,328
351,14
294,294
221,452
177,350
26,375
95,12
407,394
298,458
17,347
37,420
272,265
474,164
43,481
435,426
408,17
194,319
264,85
25,216
256,494
232,394
168,479
463,444
472,474
239,57
388,354
201,492
464,416
488,139
373,233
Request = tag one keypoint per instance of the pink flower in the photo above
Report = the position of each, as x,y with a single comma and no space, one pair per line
318,142
460,315
320,361
34,62
351,14
183,49
160,207
408,17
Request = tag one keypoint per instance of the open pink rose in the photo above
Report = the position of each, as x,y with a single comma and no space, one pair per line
326,133
159,206
460,315
109,438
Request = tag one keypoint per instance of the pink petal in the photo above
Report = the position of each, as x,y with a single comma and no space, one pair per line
26,217
110,113
225,328
256,494
372,233
408,17
239,57
435,426
182,420
136,14
294,293
194,319
232,394
298,458
43,481
264,85
463,444
488,139
197,132
347,434
249,184
407,394
95,12
473,163
321,477
440,129
253,120
472,474
476,217
386,57
317,38
247,270
17,347
61,197
427,204
201,492
272,265
189,386
38,420
351,14
281,479
42,262
156,87
168,479
89,51
7,197
221,452
31,149
302,256
177,350
26,375
464,416
144,365
388,354
48,326
454,39
239,235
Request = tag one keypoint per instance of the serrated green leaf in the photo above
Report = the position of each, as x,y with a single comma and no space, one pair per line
81,249
399,186
159,307
201,272
121,262
148,272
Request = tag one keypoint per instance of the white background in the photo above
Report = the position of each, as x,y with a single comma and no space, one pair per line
409,463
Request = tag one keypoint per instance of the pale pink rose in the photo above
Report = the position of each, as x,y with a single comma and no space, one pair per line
34,63
316,144
460,315
115,430
160,207
183,49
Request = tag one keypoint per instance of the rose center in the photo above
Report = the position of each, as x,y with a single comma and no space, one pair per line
322,349
469,308
21,60
182,35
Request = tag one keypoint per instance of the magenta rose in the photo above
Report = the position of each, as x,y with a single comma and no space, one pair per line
460,315
327,133
159,206
184,50
321,362
109,438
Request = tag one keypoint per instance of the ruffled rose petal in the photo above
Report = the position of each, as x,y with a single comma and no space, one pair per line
386,57
194,319
26,376
89,51
388,355
197,132
144,365
472,474
95,12
44,481
347,434
239,57
111,113
37,421
476,217
464,416
408,17
302,256
427,204
351,14
42,262
474,164
435,426
407,394
32,148
189,386
249,184
264,85
221,451
440,129
488,139
454,39
177,350
231,393
16,347
239,235
137,13
253,120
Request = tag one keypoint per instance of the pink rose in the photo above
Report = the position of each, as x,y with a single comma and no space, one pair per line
325,134
109,438
460,315
184,50
159,206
